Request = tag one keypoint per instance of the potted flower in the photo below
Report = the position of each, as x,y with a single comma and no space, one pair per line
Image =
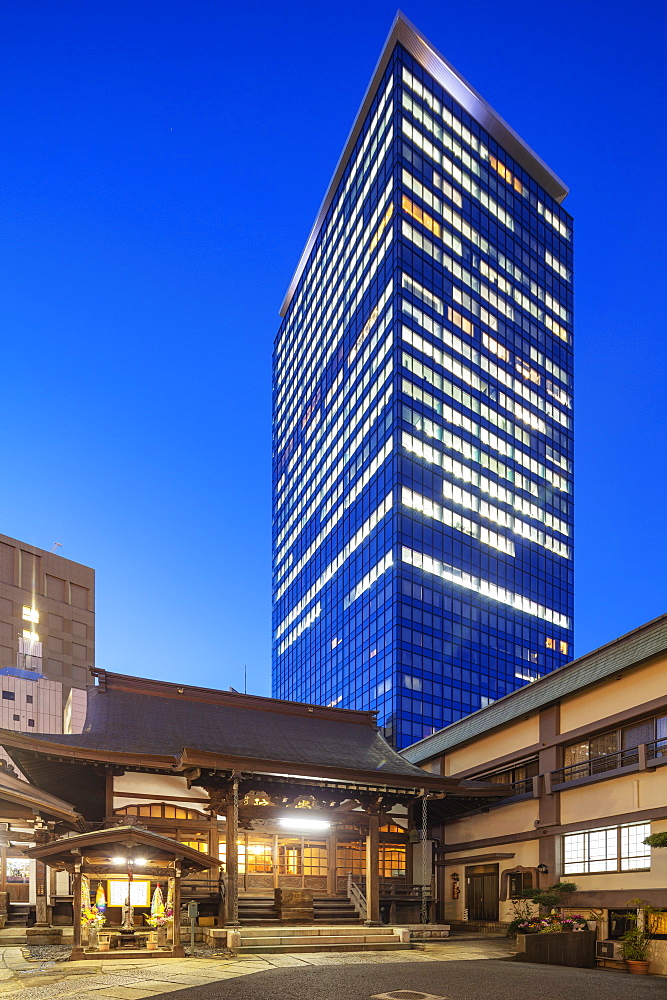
530,926
159,923
636,941
93,919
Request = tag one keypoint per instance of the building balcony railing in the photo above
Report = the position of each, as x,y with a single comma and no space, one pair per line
510,789
645,756
639,758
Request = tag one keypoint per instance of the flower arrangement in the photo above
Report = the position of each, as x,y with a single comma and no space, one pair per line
161,915
92,917
160,919
553,923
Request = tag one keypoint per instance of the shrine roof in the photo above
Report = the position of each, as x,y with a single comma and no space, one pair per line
117,840
160,725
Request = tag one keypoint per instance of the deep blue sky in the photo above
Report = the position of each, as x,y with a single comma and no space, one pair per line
162,163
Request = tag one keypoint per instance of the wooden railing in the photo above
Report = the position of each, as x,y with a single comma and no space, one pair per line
395,888
356,897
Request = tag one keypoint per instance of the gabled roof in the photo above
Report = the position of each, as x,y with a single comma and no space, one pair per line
116,840
27,797
157,725
403,32
629,650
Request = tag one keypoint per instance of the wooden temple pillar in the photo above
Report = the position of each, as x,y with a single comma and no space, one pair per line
232,856
332,872
214,845
176,943
42,836
373,867
76,889
41,908
4,843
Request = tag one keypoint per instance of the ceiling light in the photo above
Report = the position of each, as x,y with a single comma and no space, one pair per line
118,861
297,823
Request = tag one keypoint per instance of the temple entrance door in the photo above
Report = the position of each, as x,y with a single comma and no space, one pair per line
482,892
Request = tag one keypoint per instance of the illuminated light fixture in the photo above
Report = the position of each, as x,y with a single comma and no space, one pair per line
118,861
304,824
140,861
256,848
30,614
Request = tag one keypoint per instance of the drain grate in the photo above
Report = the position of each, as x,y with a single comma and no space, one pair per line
406,995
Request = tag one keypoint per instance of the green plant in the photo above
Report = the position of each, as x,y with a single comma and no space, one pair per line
637,939
550,897
656,839
523,914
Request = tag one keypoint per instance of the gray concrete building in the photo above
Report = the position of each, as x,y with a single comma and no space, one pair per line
47,638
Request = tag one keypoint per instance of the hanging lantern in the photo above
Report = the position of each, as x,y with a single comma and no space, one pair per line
100,899
157,903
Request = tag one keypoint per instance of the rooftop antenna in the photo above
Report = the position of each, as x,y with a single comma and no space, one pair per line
57,545
245,678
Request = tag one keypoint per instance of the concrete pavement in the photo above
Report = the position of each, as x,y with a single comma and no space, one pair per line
458,968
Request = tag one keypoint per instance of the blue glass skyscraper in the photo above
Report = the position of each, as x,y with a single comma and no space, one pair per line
423,413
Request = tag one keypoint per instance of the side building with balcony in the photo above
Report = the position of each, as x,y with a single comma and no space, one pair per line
581,753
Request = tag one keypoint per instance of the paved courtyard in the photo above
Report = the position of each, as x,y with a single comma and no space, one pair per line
457,969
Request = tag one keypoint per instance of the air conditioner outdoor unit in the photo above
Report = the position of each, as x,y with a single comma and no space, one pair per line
610,950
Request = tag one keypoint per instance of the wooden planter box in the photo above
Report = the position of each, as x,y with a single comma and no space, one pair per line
576,948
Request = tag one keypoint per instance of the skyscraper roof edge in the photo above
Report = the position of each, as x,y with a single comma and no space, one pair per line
405,33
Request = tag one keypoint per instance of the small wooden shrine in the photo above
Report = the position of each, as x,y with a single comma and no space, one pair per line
129,868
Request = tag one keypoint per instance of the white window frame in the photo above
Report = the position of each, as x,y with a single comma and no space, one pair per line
615,857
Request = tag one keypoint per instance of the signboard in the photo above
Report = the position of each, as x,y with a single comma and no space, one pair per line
117,892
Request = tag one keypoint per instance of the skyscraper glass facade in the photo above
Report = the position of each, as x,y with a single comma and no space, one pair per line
423,414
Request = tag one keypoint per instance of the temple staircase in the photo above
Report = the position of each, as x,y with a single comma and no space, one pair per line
259,910
18,915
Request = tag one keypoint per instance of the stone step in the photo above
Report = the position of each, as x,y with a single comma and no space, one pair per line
311,931
288,948
268,922
271,940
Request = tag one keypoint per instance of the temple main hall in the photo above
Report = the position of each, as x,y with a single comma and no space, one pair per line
260,811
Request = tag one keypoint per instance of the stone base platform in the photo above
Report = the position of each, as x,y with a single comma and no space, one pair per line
294,940
120,953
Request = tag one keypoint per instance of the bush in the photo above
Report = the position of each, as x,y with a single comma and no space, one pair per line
550,897
656,839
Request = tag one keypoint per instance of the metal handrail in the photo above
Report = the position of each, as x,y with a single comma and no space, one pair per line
657,748
521,787
609,762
